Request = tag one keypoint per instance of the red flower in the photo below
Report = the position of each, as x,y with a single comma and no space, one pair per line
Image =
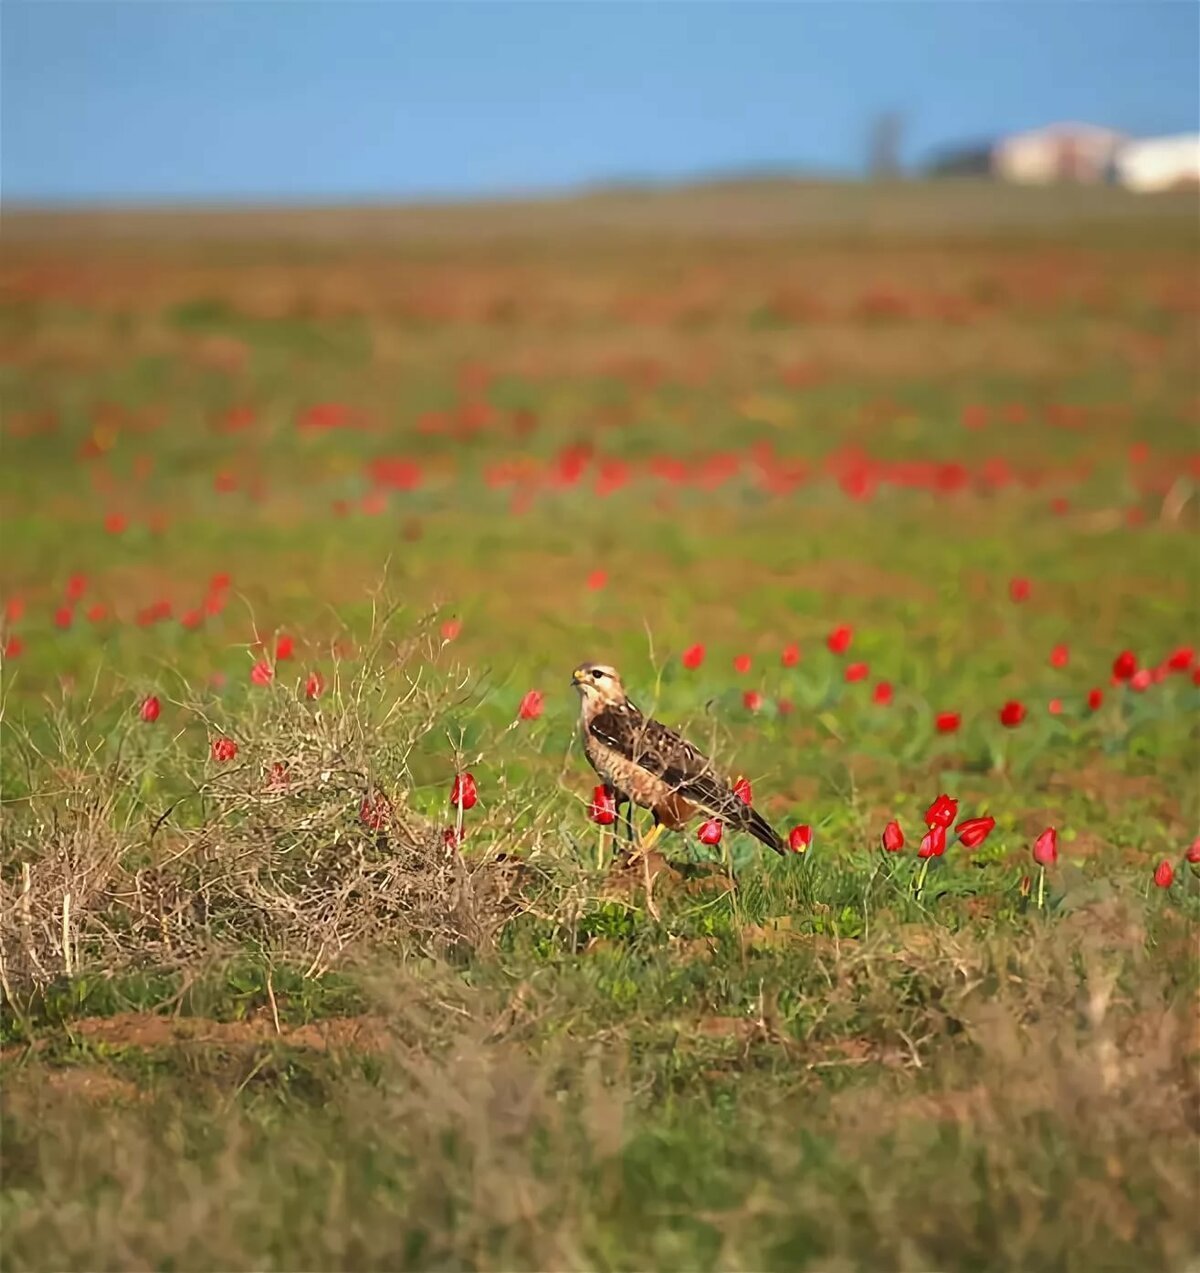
1055,707
741,789
882,693
262,673
450,629
1095,698
63,617
933,843
752,701
942,812
224,749
76,587
603,809
14,609
791,655
800,838
150,709
218,583
692,657
1124,665
1181,659
893,838
1193,852
1060,656
1141,680
531,705
948,722
115,523
1045,848
464,791
13,647
1018,589
741,663
284,646
375,811
839,639
97,613
314,686
277,775
784,706
1012,713
710,831
1164,874
597,579
452,837
857,672
973,831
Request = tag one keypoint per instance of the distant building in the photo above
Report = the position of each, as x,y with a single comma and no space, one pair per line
1061,152
972,160
1160,163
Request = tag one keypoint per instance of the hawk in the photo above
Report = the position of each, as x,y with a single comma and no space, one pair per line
647,764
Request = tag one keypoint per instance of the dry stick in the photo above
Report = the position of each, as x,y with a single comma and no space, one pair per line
66,932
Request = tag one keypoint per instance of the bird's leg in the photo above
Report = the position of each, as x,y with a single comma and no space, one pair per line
625,822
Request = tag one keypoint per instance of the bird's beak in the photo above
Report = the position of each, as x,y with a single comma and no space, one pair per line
577,676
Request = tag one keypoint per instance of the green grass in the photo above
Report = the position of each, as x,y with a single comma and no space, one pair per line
279,1038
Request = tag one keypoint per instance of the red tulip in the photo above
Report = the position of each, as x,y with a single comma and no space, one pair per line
1095,698
942,812
1181,659
463,791
603,809
1055,707
882,693
1193,852
948,722
784,706
1012,713
710,831
224,749
531,705
857,672
791,655
893,838
14,609
1060,656
97,613
76,587
741,789
1164,874
314,686
741,664
284,645
800,838
452,837
597,579
839,639
1124,665
1140,680
973,831
933,843
150,709
752,700
1018,590
63,617
692,657
14,647
374,811
450,629
1045,848
262,673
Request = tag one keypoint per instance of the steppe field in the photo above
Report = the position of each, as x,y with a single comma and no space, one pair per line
879,495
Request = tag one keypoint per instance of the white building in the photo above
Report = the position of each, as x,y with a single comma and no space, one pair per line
1061,152
1160,163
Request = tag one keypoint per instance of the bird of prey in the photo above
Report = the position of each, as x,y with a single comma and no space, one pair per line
644,762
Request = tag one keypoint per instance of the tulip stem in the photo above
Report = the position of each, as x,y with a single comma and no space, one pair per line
920,881
1041,897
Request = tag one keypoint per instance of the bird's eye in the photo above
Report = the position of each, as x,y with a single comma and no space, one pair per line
598,673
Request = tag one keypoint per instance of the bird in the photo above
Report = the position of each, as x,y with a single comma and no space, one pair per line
645,763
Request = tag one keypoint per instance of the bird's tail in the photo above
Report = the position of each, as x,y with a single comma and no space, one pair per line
753,821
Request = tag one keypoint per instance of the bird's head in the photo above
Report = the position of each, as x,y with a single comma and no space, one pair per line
598,684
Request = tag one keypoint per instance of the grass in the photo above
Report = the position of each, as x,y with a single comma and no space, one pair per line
260,1013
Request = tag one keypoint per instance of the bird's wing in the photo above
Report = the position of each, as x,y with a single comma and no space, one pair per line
652,746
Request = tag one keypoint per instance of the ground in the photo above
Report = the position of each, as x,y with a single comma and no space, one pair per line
303,516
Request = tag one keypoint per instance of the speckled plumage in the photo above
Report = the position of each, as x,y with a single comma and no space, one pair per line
644,761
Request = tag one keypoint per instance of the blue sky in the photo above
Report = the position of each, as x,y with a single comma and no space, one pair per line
175,100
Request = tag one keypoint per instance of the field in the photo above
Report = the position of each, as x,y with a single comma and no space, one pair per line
305,514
